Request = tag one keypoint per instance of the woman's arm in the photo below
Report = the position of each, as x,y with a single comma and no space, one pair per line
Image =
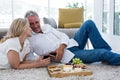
14,61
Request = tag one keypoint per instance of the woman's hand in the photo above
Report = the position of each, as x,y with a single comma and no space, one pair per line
43,62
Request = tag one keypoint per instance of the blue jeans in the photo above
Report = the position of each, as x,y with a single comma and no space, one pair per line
101,51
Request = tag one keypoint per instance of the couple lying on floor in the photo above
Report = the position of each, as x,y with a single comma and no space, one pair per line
26,36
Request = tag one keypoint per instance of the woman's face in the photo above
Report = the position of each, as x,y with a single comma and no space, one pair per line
28,31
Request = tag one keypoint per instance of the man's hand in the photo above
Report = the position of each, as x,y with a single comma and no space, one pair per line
60,52
52,55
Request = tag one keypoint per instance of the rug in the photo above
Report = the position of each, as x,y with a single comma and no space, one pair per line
100,72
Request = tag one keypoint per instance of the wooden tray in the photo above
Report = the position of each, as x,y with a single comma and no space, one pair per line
55,71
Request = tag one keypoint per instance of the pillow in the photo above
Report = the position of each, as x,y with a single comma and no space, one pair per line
70,15
50,21
72,25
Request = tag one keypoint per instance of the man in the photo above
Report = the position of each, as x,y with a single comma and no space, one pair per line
46,40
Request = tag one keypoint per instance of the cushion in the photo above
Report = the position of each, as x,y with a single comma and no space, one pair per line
50,21
71,25
70,15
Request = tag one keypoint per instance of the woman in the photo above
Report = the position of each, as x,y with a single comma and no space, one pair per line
14,47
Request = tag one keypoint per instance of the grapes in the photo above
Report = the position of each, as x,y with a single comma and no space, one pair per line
77,61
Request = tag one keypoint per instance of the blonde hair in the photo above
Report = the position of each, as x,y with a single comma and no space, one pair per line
16,28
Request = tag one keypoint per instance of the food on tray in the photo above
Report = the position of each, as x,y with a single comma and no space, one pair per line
78,69
77,63
67,68
83,66
63,70
56,70
76,66
51,67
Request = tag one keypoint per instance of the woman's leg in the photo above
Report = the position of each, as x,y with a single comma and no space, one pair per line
96,55
89,30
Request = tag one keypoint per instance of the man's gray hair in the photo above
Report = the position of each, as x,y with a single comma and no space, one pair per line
31,13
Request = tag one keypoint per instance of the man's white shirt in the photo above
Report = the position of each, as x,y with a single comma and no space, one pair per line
50,40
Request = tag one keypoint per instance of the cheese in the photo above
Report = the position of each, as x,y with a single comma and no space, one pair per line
67,68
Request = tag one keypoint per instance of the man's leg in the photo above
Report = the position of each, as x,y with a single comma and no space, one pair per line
96,55
89,30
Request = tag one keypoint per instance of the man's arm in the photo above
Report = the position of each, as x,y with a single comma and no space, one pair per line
60,51
63,44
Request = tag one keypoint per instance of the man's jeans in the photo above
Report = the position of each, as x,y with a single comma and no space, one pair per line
101,51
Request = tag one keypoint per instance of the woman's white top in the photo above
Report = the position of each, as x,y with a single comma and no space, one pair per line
12,44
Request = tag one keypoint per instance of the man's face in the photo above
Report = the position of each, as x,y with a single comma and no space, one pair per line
35,24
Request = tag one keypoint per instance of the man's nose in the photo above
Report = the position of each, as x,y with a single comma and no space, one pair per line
35,25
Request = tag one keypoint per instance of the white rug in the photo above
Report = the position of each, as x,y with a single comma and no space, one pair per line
100,72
